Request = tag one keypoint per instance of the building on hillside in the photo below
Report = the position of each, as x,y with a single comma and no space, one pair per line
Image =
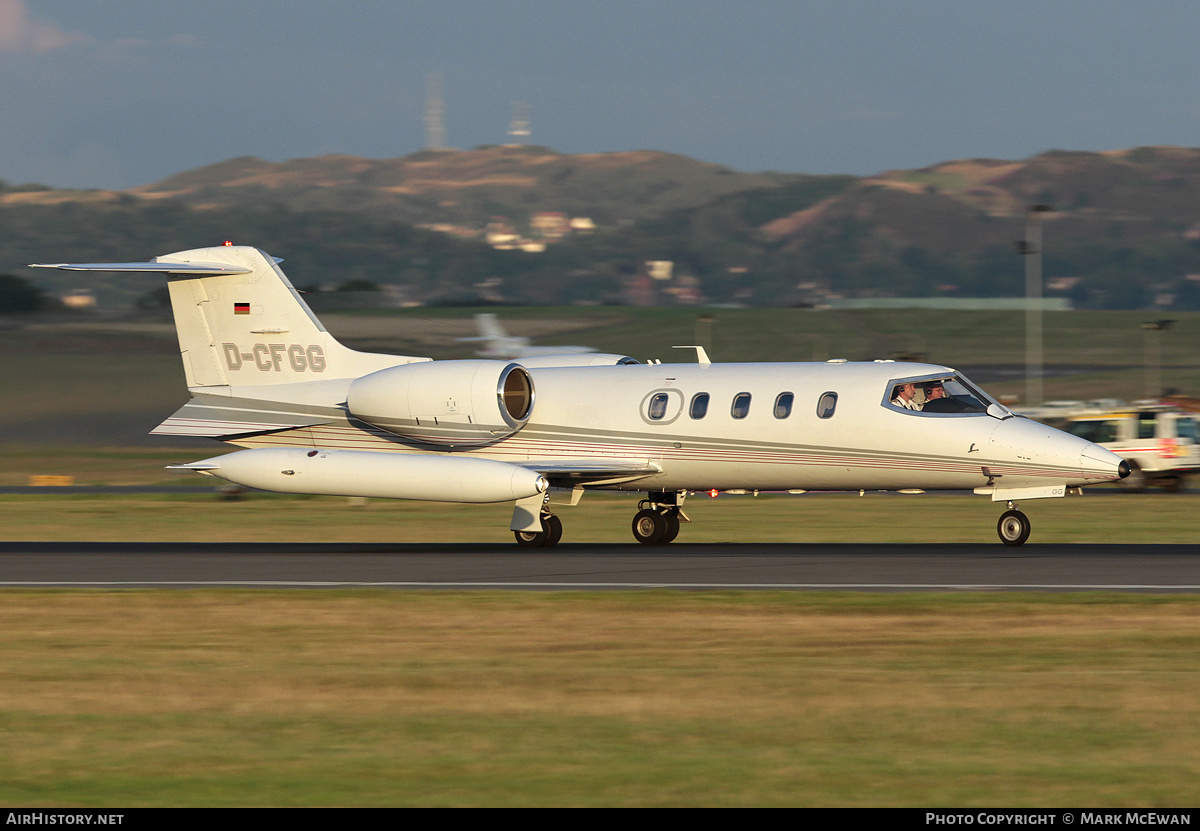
550,224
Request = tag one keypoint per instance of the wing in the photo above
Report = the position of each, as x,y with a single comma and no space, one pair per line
591,472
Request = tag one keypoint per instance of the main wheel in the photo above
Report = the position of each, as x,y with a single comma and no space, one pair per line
549,536
554,525
672,520
1013,528
649,527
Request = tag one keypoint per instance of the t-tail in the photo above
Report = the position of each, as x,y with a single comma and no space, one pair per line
257,360
242,323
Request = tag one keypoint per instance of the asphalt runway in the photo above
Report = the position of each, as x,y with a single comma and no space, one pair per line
1125,568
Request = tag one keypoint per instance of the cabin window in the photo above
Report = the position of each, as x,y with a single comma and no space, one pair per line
826,404
699,408
658,406
741,405
783,405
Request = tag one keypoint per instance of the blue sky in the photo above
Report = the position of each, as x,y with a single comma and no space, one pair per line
125,92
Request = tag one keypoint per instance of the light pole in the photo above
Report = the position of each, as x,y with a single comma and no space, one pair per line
1032,249
1153,356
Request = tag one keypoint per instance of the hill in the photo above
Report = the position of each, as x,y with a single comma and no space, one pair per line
463,187
1124,228
1124,231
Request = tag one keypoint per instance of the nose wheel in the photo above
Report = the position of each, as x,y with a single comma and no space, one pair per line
1013,527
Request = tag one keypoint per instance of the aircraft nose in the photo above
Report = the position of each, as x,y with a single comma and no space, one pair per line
1100,465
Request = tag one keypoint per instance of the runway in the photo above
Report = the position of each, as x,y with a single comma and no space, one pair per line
1124,568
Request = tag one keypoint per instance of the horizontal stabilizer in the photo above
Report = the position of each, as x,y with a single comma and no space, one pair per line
191,269
217,417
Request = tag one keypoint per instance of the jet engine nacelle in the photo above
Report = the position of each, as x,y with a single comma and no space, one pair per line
366,473
450,403
586,359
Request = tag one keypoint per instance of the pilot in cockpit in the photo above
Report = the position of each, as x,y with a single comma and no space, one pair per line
934,391
903,395
938,401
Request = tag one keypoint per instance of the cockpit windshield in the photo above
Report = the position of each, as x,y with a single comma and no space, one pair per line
939,395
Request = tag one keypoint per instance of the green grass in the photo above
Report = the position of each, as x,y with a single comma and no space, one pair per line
599,518
131,698
104,465
654,698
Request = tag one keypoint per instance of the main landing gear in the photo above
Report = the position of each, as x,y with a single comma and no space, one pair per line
1013,526
657,521
548,537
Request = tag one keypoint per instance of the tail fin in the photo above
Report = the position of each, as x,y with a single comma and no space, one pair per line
490,327
241,322
499,342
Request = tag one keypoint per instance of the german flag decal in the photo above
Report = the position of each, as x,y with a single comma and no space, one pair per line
241,308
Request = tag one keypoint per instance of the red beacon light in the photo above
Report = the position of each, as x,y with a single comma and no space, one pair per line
713,493
228,242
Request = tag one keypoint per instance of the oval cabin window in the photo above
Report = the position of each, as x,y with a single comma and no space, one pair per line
658,406
783,404
741,405
699,408
826,404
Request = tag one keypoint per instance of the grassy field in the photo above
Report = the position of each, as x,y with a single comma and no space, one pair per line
127,698
599,518
506,699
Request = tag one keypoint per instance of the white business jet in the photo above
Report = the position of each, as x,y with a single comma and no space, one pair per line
320,418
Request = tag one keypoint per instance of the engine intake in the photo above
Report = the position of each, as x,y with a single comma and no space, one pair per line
450,403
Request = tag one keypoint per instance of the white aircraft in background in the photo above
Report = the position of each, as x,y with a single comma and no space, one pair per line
504,346
320,418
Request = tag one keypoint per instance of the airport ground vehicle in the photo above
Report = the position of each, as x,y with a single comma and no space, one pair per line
1161,443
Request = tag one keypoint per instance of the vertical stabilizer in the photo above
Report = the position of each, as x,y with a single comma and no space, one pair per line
253,327
250,327
241,322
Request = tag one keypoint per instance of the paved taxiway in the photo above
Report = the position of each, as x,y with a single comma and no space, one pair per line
1145,568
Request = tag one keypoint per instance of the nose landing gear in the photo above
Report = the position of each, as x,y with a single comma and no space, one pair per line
1013,527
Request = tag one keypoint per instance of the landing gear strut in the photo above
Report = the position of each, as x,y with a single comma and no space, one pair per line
1013,526
657,523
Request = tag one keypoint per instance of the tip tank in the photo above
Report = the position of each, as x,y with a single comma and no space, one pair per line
366,473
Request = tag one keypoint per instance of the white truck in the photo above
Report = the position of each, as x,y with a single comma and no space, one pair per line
1161,443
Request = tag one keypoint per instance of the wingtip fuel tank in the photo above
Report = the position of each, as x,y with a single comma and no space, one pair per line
363,473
